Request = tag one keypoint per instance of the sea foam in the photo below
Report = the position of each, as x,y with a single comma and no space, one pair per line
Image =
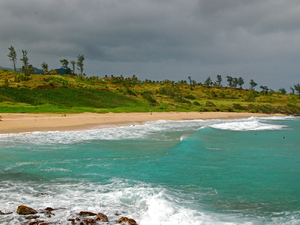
247,125
117,198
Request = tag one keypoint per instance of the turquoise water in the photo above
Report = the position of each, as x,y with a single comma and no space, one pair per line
243,171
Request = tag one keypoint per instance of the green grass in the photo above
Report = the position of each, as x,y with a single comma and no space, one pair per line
69,94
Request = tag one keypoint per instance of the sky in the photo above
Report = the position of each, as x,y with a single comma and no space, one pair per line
159,39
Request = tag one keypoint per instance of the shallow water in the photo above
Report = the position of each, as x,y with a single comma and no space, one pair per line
243,171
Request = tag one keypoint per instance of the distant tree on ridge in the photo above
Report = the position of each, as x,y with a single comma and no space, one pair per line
80,59
13,56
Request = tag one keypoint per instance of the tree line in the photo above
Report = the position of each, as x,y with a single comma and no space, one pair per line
27,68
233,82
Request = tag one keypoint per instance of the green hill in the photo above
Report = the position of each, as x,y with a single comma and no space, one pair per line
71,94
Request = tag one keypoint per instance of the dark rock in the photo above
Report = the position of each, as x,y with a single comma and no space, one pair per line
85,213
49,209
77,219
102,217
25,210
2,213
126,220
72,221
33,223
32,217
90,221
40,222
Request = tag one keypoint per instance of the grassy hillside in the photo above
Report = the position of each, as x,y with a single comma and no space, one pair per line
70,94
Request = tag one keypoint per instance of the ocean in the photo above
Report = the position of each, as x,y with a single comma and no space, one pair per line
242,171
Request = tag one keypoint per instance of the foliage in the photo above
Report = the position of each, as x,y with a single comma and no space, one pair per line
80,59
68,93
13,56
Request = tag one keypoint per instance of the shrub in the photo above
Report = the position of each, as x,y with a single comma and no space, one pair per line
210,104
238,106
21,77
192,97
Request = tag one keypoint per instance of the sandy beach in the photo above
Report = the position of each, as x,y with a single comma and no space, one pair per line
27,122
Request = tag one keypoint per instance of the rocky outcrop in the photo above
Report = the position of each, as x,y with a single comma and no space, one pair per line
101,217
25,210
85,213
127,221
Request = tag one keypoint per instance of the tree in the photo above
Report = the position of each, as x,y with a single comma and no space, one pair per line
282,91
297,88
240,82
26,68
229,80
80,59
235,82
219,80
207,82
265,89
293,90
64,65
73,63
45,68
13,57
252,84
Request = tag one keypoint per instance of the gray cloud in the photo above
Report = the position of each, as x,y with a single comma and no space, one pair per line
159,39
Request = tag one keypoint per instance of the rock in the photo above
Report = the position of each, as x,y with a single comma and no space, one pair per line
41,222
49,209
25,210
126,220
33,223
32,217
85,213
101,217
2,213
90,221
72,221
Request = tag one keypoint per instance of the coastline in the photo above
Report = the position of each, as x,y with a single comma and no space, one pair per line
28,122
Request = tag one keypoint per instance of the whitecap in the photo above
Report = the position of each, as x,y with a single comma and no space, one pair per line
246,126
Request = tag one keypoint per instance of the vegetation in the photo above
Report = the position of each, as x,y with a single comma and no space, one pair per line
64,91
74,94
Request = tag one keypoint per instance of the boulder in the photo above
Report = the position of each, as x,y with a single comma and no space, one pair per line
85,213
126,220
102,217
25,210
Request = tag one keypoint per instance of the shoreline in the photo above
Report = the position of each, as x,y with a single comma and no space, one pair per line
28,122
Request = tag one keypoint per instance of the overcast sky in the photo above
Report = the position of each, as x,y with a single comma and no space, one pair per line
159,39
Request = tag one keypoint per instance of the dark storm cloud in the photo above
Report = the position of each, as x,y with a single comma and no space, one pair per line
162,39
